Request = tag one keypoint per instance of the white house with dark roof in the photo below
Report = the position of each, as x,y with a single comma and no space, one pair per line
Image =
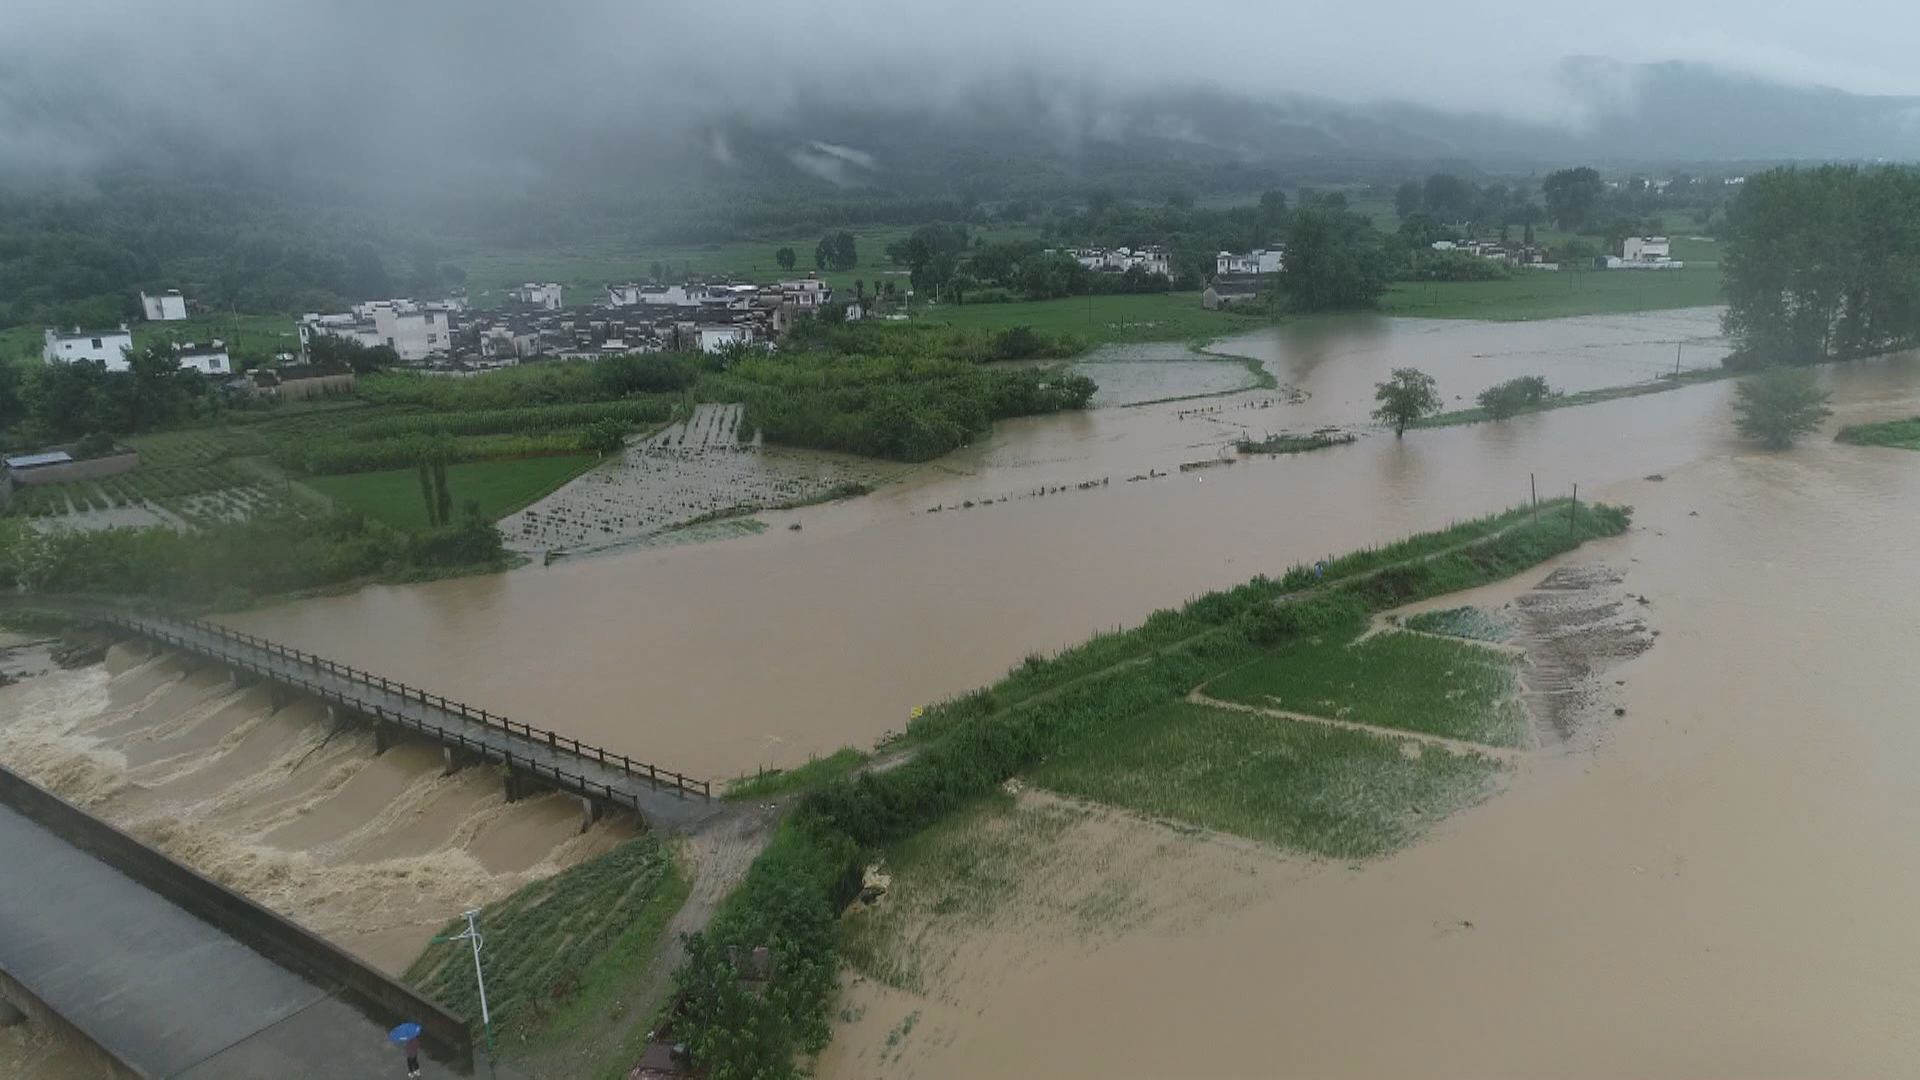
110,347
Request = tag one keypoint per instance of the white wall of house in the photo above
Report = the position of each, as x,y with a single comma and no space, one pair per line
207,359
412,333
168,306
1257,261
546,296
108,346
715,338
1645,248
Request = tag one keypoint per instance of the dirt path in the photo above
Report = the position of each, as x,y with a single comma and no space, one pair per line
718,854
1458,746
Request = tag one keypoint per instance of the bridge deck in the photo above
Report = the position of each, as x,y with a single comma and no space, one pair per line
163,991
661,796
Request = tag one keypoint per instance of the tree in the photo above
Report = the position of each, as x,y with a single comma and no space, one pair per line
1409,199
1405,398
836,251
786,258
1333,261
604,437
1510,397
1572,196
1448,197
1778,405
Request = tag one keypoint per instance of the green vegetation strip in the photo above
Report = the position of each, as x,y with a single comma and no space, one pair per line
562,953
1585,397
1294,444
1061,708
1557,295
1323,790
774,783
498,488
1904,434
1457,690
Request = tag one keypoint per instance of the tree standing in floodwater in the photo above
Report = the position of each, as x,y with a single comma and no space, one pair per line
1404,398
1778,406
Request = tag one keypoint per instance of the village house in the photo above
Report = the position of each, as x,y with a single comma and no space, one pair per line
1258,261
414,330
208,359
1230,290
541,296
1148,260
1644,253
110,347
168,306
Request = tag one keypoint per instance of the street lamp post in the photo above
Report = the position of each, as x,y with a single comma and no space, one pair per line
472,934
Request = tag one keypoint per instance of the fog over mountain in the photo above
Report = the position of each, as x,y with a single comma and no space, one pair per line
476,93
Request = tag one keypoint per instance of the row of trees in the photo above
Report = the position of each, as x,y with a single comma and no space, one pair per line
41,403
1823,263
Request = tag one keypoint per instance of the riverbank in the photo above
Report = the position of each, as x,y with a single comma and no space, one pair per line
1653,869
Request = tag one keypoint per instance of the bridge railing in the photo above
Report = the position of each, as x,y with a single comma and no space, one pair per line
660,779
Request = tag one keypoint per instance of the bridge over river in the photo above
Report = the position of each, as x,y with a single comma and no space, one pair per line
534,757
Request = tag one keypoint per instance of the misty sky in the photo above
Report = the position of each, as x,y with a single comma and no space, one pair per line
403,72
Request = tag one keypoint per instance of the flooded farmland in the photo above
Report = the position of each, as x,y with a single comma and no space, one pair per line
760,651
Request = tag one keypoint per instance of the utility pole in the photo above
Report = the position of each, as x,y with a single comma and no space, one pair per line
472,934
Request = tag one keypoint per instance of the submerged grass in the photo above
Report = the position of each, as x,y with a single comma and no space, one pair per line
1471,623
1341,794
1453,689
1903,434
561,953
1294,444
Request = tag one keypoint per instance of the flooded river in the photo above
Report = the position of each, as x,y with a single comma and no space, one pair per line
721,658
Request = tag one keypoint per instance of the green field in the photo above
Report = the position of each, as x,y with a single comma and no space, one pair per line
1102,319
1453,689
500,487
1904,434
1342,794
1536,294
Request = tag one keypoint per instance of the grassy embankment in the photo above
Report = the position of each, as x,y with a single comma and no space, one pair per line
1109,715
1102,320
1903,434
1661,385
563,954
1555,295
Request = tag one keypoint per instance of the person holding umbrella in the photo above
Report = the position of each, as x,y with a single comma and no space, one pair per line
407,1036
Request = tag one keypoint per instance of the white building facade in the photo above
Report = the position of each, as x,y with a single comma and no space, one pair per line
168,306
110,347
209,359
543,296
1257,261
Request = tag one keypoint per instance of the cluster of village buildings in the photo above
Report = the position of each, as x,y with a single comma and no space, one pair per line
534,324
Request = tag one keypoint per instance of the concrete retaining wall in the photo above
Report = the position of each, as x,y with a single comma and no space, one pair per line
244,920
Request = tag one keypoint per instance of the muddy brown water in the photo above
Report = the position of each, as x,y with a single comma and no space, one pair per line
721,658
1720,885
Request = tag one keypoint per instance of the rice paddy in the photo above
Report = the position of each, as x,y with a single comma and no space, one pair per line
1322,790
1456,690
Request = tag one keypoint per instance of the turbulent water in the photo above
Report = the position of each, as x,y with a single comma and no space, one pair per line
374,852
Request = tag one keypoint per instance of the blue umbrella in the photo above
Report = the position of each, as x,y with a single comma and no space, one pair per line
405,1032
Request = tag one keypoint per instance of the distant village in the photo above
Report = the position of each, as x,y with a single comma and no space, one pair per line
447,336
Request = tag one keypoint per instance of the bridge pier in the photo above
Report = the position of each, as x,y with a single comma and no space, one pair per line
590,812
276,699
453,759
10,1014
240,680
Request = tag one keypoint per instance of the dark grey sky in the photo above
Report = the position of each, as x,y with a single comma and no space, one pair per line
391,75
